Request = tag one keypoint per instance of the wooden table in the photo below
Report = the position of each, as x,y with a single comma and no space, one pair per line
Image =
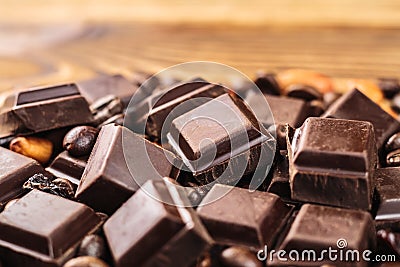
46,41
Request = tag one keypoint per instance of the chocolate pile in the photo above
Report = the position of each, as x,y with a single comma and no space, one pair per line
89,177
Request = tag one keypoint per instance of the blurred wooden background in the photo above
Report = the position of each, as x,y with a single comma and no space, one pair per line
45,41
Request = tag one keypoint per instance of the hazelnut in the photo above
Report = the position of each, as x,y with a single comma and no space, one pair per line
37,148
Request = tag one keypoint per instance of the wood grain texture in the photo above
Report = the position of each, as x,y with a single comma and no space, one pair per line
126,48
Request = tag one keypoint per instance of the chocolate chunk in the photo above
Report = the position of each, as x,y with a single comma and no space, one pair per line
267,84
101,86
301,91
388,187
15,169
44,109
389,86
107,181
68,167
176,235
220,135
280,179
318,228
191,95
332,162
41,229
354,105
242,217
105,108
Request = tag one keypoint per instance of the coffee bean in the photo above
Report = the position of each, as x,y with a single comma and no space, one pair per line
80,140
389,86
85,261
393,143
305,92
239,257
393,158
93,245
267,84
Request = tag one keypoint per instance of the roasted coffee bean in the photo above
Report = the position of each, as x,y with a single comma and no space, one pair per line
393,143
39,149
239,257
389,86
393,158
11,202
85,261
317,80
267,84
305,92
93,245
80,140
329,98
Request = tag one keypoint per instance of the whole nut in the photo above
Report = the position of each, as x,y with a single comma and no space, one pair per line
239,257
314,79
367,87
93,245
80,140
37,148
85,261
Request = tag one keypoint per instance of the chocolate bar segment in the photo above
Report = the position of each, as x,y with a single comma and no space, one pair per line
15,169
104,85
154,229
332,162
41,229
236,216
388,187
163,110
107,181
354,105
222,133
44,109
318,228
68,167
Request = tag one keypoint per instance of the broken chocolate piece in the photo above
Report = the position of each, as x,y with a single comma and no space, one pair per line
236,216
332,162
43,109
176,234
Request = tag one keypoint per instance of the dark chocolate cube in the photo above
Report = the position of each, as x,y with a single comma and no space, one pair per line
354,105
221,135
153,228
41,229
42,109
108,181
68,167
15,169
332,162
316,228
242,217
